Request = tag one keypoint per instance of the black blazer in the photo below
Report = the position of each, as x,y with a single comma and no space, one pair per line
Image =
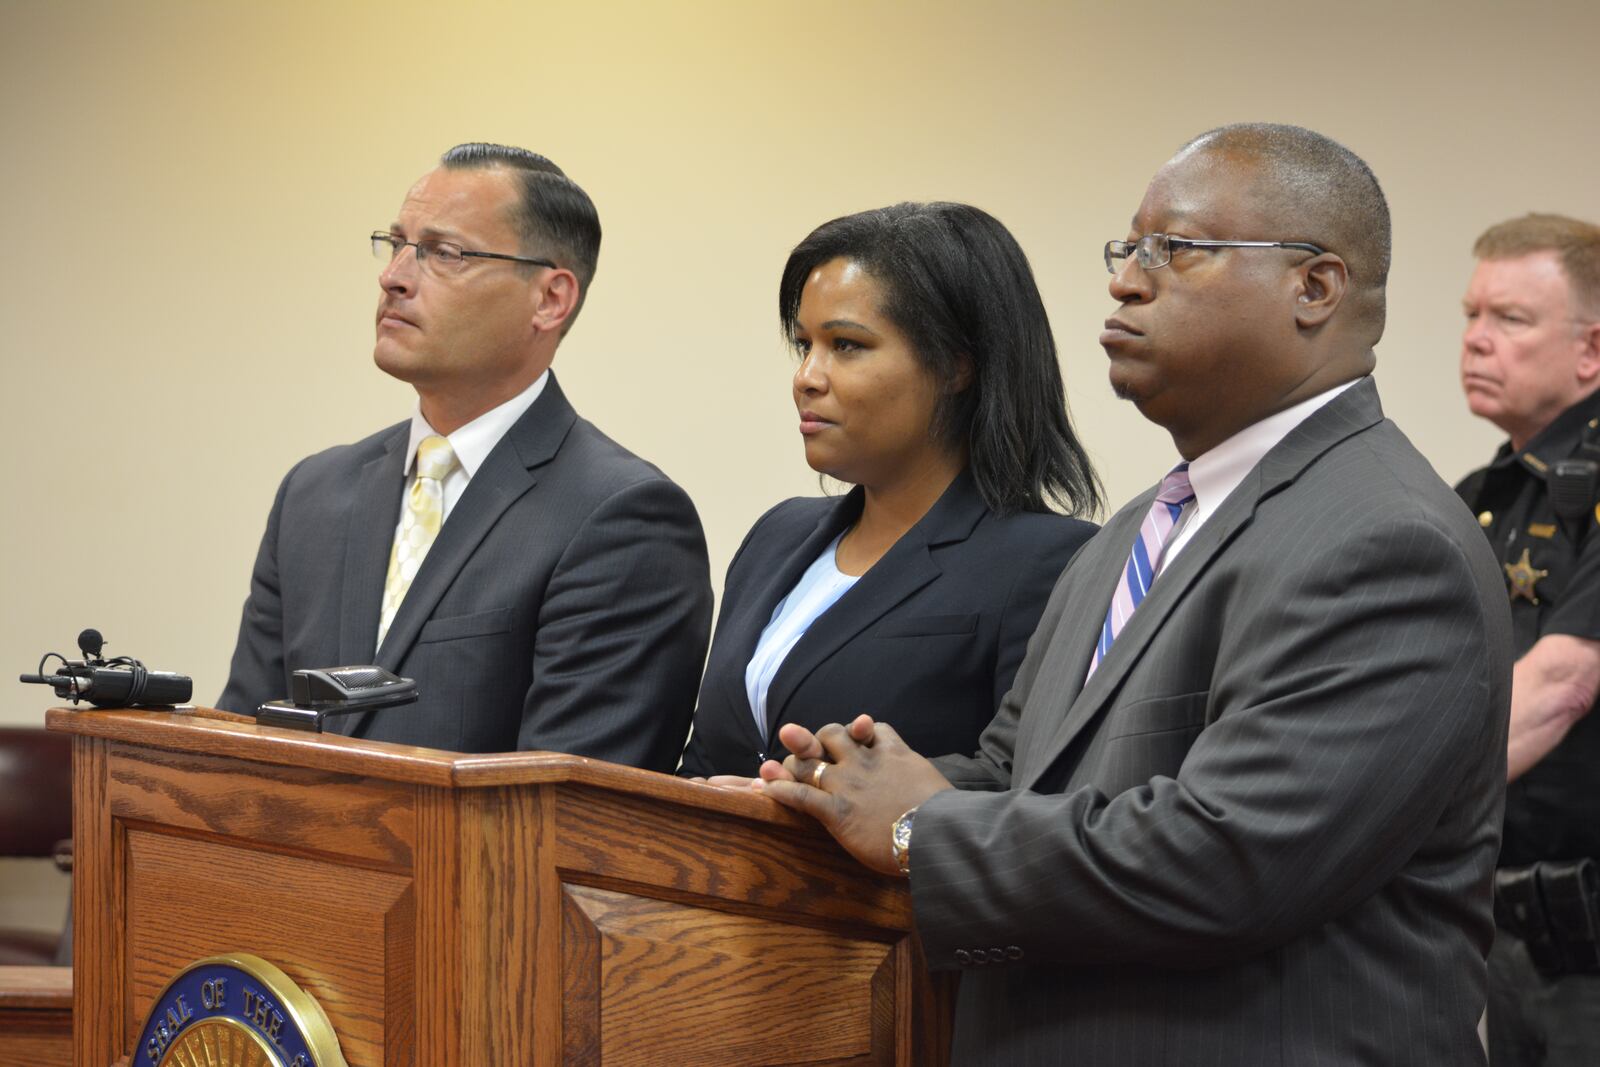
928,640
564,606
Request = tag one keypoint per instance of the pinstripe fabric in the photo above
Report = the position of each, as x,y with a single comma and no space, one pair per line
1144,559
1264,832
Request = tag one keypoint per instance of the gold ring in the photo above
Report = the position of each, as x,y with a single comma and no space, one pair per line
816,775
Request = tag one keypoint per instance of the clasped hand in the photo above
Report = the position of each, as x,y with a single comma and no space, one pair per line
868,777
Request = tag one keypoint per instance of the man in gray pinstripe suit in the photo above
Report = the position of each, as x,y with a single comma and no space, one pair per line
1261,829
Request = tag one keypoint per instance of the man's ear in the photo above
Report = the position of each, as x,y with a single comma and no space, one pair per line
1321,284
1589,353
554,300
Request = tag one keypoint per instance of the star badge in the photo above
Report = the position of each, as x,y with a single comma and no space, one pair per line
1523,577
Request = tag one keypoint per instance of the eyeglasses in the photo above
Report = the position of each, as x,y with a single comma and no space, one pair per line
1155,249
443,257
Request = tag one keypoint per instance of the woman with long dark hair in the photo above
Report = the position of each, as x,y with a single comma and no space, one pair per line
928,380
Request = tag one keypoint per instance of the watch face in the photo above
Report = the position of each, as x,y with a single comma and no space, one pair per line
901,838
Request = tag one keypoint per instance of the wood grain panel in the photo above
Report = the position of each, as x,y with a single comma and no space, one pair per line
98,948
439,974
36,988
400,981
204,730
668,970
35,1039
502,836
35,1016
697,922
188,898
545,913
218,733
926,1007
288,807
580,993
801,872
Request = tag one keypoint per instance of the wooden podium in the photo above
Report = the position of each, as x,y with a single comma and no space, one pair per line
508,909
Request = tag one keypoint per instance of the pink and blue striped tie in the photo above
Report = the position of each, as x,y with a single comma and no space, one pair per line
1144,562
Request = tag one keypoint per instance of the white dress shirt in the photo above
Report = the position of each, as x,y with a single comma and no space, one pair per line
471,443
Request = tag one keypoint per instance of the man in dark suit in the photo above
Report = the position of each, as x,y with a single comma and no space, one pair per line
1242,804
545,588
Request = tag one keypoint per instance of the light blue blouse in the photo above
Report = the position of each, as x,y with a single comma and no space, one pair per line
819,588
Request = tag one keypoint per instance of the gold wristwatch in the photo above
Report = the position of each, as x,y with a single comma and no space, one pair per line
900,839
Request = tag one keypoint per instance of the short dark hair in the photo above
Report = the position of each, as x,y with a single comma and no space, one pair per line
956,283
555,217
1323,193
1576,244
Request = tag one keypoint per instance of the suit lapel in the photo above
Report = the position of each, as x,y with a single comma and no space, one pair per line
504,477
756,611
906,567
1165,595
1354,410
368,541
1093,577
369,537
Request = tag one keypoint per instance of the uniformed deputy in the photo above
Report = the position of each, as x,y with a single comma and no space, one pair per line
1530,364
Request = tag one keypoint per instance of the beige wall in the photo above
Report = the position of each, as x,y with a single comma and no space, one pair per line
186,296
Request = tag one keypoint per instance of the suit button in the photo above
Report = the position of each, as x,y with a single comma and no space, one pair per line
997,955
1013,952
963,957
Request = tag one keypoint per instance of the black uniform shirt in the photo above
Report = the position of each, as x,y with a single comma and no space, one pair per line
1552,567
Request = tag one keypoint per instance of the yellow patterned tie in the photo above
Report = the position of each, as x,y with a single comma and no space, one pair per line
419,524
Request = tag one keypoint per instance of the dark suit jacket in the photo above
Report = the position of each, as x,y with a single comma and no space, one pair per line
565,604
928,640
1264,832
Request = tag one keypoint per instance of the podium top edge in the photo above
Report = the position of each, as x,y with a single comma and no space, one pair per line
207,731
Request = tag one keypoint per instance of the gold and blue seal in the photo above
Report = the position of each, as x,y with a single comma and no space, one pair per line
236,1010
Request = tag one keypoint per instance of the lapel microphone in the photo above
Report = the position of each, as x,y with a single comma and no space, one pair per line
123,682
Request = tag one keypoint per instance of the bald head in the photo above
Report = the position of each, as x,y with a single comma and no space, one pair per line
1314,189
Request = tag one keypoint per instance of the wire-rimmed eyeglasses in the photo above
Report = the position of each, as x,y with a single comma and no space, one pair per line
443,256
1155,249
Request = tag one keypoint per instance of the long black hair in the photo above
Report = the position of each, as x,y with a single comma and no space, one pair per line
957,284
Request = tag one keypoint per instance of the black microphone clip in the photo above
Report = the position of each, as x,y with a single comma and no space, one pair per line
123,682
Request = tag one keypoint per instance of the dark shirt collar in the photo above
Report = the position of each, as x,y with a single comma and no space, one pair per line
1555,442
